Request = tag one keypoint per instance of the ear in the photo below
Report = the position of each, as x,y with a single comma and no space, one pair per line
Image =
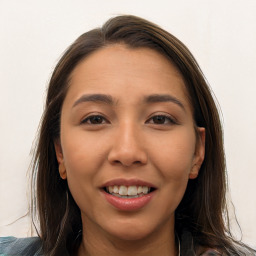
60,159
199,153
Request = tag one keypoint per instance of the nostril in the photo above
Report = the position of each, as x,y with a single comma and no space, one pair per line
127,163
116,162
127,157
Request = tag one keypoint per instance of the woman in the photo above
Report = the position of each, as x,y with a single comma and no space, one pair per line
130,155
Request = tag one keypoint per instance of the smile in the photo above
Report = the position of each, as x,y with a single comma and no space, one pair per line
128,194
128,191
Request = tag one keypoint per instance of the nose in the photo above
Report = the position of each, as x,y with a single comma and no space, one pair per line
127,148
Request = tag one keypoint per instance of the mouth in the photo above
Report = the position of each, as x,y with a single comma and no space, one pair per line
132,191
128,194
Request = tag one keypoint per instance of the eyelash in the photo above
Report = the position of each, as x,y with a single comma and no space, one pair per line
89,118
170,120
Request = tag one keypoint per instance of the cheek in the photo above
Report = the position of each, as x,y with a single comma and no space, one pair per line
173,158
174,154
83,159
82,152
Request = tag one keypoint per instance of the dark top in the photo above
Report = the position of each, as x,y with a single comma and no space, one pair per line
31,246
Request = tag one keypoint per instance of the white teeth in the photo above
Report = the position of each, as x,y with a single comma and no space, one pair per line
145,189
132,191
115,189
125,191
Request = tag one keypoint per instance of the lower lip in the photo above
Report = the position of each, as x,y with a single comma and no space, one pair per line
128,204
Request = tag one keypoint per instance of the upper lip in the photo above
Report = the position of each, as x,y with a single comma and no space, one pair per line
128,182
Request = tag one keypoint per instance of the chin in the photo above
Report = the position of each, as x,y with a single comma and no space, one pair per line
131,235
130,231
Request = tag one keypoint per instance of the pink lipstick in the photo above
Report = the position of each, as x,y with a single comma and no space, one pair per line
128,195
128,204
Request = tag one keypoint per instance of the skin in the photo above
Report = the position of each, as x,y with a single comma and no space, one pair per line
127,142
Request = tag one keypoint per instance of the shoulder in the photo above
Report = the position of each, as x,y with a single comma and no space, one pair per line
188,248
210,252
10,246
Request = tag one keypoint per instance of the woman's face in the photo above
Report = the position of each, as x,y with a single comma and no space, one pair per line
128,143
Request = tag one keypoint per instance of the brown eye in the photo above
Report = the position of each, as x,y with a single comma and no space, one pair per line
161,119
96,119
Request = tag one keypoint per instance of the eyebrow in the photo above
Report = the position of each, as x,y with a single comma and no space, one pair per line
107,99
155,98
100,98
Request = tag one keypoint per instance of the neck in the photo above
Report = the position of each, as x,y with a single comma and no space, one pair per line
97,242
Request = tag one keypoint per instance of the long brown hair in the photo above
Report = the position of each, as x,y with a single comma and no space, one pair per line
202,211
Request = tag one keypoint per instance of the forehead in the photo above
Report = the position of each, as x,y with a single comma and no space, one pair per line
118,68
143,58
